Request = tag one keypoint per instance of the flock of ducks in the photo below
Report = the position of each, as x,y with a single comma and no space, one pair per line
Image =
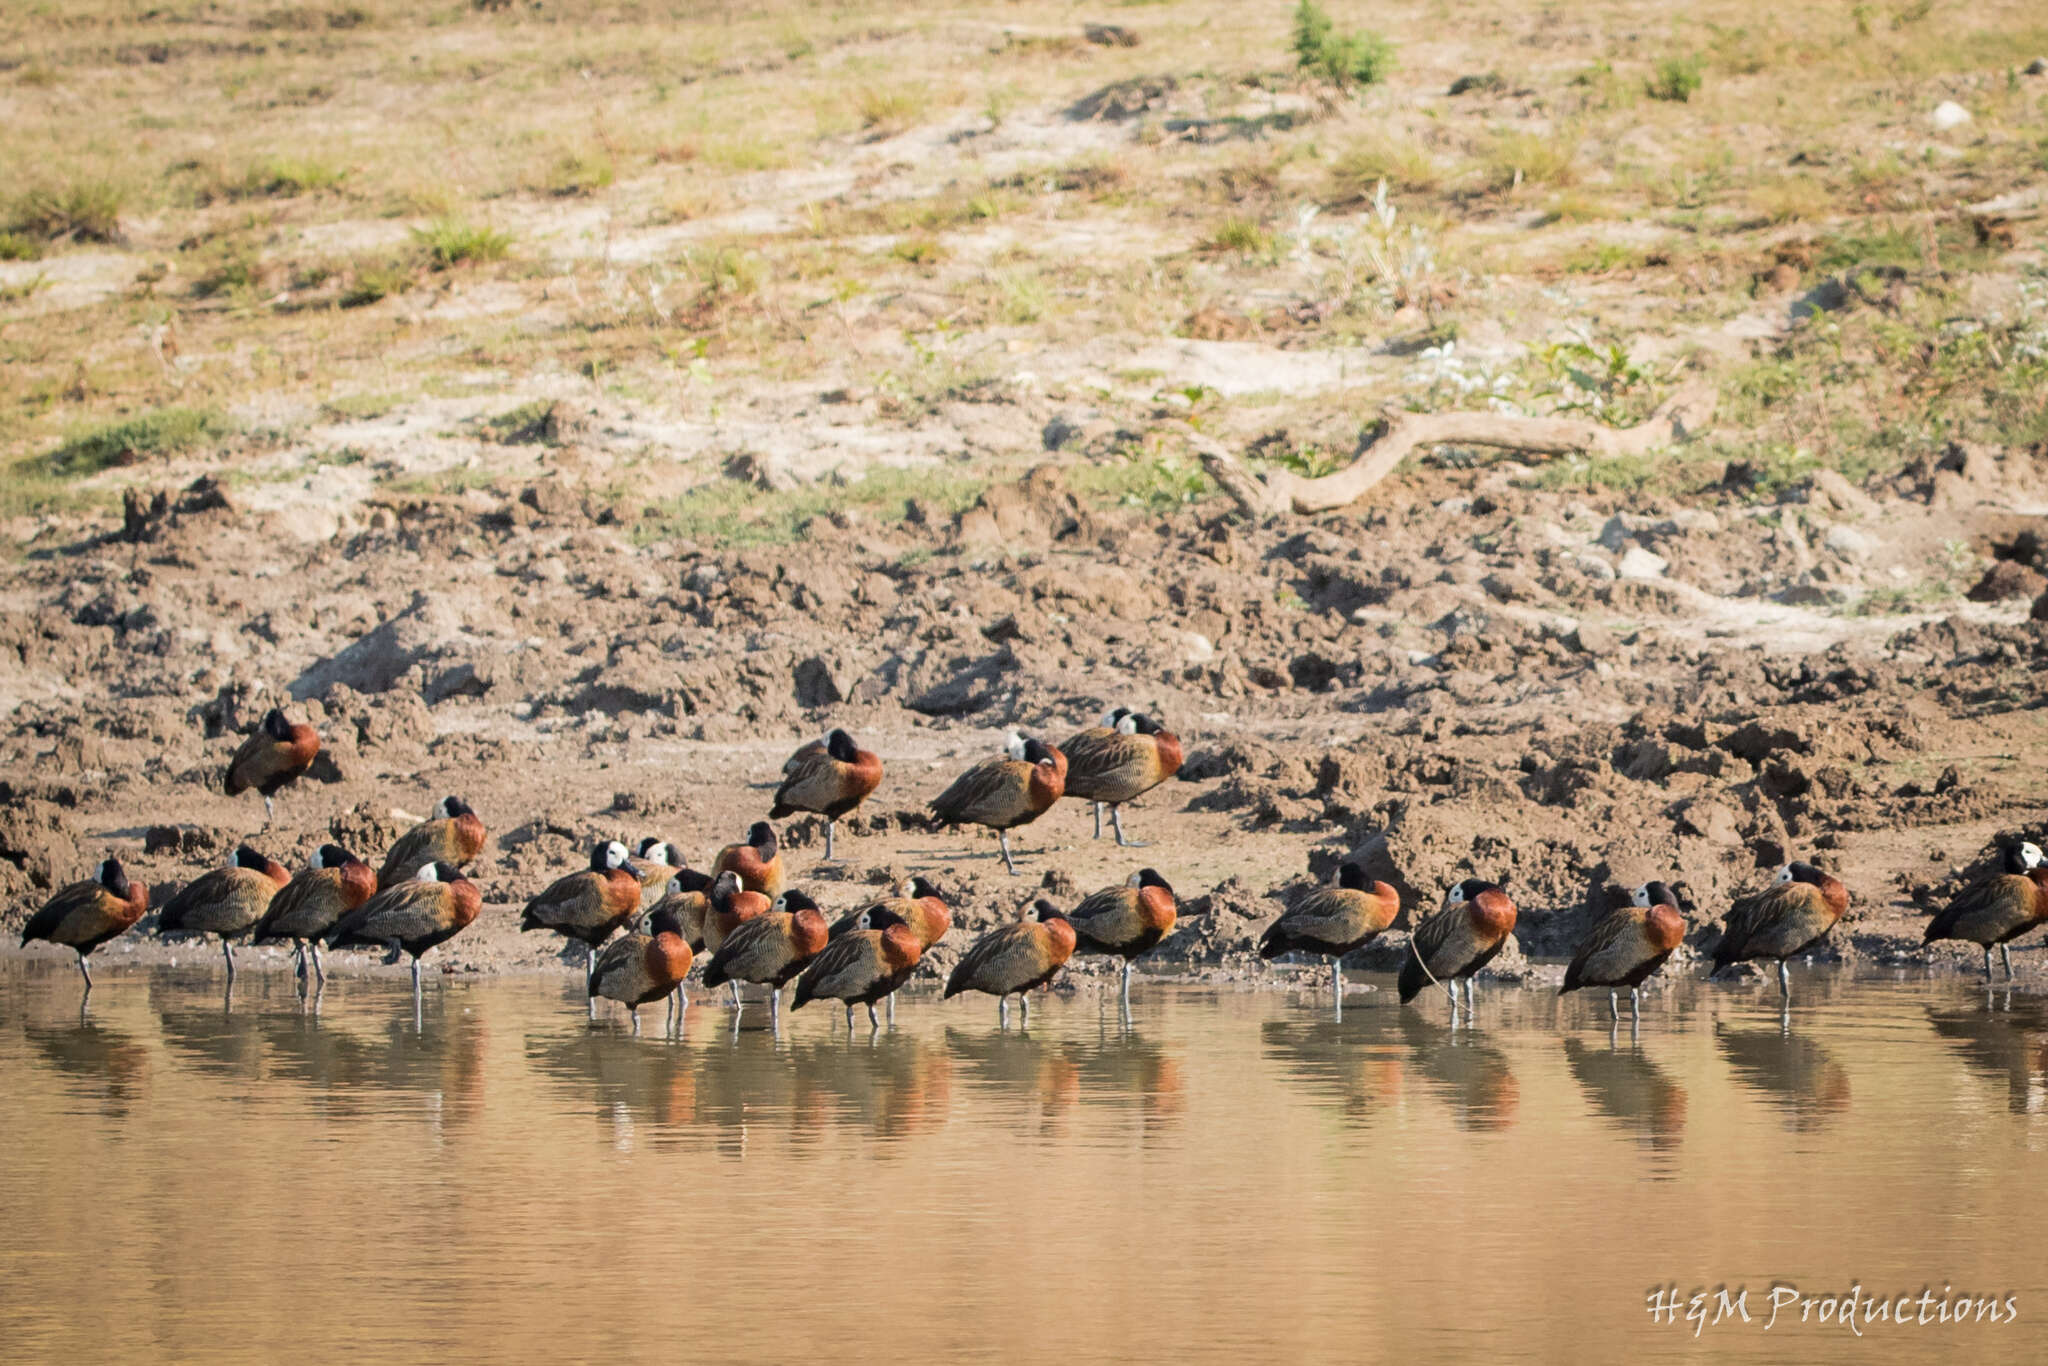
747,926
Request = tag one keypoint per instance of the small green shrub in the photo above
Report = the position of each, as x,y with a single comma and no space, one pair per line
451,241
83,211
1677,80
376,279
1342,59
1243,235
581,173
15,246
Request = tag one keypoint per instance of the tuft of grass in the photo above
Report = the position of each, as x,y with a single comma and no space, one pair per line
1158,484
1243,235
15,246
725,512
284,178
374,279
580,173
919,251
1516,158
887,110
1404,165
1676,80
1342,59
1021,297
449,242
83,211
1793,199
167,431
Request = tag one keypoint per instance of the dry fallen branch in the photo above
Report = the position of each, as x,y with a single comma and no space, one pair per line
1272,492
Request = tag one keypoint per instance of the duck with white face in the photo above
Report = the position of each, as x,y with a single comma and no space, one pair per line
1795,913
588,906
1627,945
1998,909
1119,761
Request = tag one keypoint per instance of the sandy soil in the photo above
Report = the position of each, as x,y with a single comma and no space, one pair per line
1566,692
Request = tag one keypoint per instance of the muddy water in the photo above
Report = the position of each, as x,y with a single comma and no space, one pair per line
1238,1176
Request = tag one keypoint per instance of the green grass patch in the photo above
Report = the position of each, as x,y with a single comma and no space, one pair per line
1676,80
83,211
17,246
1156,484
450,242
726,512
1244,235
1343,59
167,431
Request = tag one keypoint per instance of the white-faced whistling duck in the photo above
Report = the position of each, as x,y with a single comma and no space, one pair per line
919,904
435,906
636,969
85,915
307,907
589,905
758,862
829,777
655,862
1455,943
453,834
1998,909
227,901
1626,946
770,949
1332,921
868,962
1013,959
1004,793
1794,915
1125,921
1119,761
731,905
273,757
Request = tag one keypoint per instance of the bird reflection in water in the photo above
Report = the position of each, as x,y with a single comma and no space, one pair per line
1623,1084
2006,1043
1355,1064
1795,1072
1474,1077
98,1061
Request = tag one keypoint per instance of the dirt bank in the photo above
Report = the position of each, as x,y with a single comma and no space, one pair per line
1571,692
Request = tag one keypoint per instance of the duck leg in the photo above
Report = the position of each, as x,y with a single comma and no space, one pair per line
734,984
227,951
1337,977
849,1019
892,1010
1003,838
1002,1012
269,812
1116,818
874,1020
634,1011
1126,992
1471,995
1098,820
1635,1006
86,973
1614,1002
1785,981
1988,974
830,826
590,1004
775,1008
299,970
2005,957
1024,999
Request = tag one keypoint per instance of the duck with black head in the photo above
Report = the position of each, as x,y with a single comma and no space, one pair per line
636,969
453,834
334,883
1998,909
84,915
771,949
274,757
1003,793
1334,921
829,777
1014,959
757,862
1125,922
1118,762
870,961
437,904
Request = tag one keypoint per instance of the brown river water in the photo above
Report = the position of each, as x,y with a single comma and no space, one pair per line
1234,1176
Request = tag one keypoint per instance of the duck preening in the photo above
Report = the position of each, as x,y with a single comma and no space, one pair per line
1004,793
1455,943
334,883
771,948
1998,909
1791,917
1119,761
228,902
1013,959
829,777
867,963
589,905
272,758
454,834
1333,921
757,862
84,915
1627,945
435,906
636,969
1125,922
655,862
730,905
